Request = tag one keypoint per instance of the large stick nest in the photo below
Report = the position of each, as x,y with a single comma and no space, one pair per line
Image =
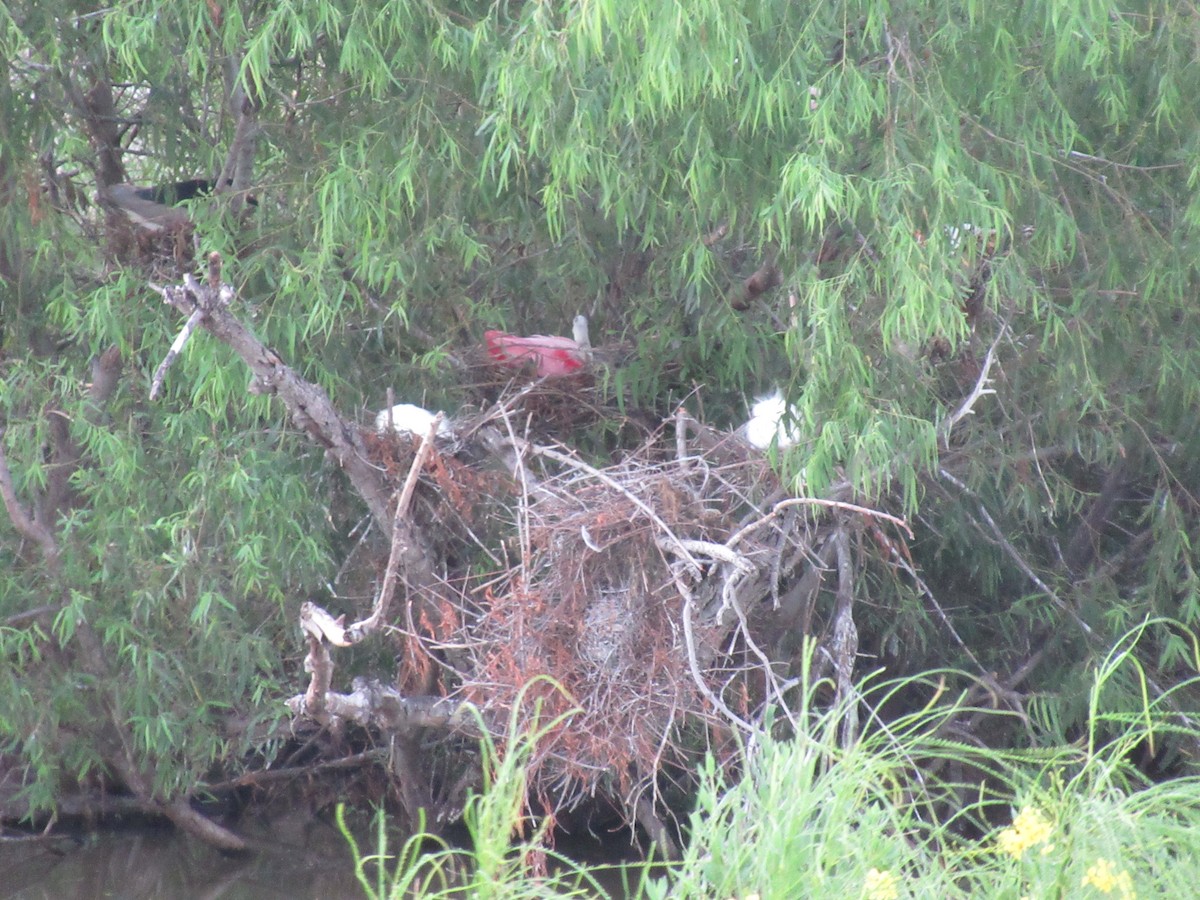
649,609
629,597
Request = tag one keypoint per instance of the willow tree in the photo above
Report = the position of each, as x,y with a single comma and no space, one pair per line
957,236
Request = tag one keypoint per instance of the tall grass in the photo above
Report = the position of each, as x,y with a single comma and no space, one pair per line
911,809
506,847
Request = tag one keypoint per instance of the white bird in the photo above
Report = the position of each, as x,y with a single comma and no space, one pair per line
957,235
767,423
407,418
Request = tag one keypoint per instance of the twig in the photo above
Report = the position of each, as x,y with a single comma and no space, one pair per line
967,407
523,476
1037,463
1016,557
779,507
681,454
865,245
573,462
401,535
1075,154
177,346
742,568
263,777
689,639
898,559
181,339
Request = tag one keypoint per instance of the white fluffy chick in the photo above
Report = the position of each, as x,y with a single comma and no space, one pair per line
405,417
767,423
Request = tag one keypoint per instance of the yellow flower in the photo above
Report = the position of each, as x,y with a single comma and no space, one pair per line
1028,829
1103,876
881,885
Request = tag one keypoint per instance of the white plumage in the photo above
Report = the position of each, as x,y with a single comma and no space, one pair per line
405,417
767,423
957,235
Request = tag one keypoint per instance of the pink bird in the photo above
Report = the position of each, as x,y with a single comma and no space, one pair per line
551,355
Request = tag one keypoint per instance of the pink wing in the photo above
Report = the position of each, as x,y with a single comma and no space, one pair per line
550,354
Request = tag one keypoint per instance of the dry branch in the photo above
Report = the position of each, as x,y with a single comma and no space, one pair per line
967,407
313,412
23,522
177,346
375,705
995,533
322,629
400,531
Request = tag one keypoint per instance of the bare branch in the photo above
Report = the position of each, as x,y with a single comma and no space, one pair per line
681,454
320,665
22,521
317,623
308,405
178,811
779,507
845,639
967,407
689,638
400,533
177,346
374,704
1012,553
900,561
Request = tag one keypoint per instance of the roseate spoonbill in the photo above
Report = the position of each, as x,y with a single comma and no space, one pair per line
767,423
405,418
551,355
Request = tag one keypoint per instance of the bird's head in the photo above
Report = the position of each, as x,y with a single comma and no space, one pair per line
579,332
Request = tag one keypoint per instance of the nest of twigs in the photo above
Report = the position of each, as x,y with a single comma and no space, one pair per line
644,611
621,601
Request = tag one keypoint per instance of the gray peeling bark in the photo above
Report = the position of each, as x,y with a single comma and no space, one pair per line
311,410
309,407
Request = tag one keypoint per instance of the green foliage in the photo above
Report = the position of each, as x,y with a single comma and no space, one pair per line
852,811
881,819
426,171
504,846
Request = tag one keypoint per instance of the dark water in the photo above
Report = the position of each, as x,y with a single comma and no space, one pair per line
292,860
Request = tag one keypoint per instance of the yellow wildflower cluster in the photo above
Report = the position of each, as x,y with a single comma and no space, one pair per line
1104,877
881,885
1028,829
